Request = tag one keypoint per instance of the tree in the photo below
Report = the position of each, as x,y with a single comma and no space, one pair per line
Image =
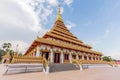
6,46
11,53
2,53
106,58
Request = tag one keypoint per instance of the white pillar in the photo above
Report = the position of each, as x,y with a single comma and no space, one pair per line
62,57
81,68
92,58
51,56
38,52
82,57
70,57
77,56
47,70
87,57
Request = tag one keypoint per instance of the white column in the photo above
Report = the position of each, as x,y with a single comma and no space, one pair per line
51,55
77,56
70,57
81,68
82,57
38,52
35,53
62,57
87,57
47,70
92,58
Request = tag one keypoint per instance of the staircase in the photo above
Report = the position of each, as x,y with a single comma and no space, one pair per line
62,67
22,68
95,65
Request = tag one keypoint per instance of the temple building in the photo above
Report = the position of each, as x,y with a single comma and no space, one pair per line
59,45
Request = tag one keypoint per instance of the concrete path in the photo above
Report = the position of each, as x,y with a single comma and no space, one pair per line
101,73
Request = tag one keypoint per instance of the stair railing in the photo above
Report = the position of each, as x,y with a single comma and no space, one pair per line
112,63
77,62
46,64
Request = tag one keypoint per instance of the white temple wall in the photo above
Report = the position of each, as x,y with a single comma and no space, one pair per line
62,51
57,48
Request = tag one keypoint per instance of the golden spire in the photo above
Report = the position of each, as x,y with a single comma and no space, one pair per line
59,17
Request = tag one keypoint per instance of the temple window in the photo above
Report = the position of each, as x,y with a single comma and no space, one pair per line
80,57
66,56
74,56
89,58
85,57
96,58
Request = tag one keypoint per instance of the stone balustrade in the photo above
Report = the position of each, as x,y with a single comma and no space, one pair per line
93,62
33,59
26,59
66,61
80,62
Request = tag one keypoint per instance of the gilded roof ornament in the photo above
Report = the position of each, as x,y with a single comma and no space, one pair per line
59,17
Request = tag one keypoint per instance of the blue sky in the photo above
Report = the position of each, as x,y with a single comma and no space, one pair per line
95,22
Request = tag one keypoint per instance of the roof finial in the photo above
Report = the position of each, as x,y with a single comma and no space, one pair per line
59,14
58,8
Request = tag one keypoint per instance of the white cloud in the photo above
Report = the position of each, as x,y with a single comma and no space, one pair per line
69,25
22,46
68,2
30,14
29,6
114,54
19,14
53,2
21,20
62,10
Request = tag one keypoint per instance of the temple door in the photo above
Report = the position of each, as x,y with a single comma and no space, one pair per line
56,58
46,55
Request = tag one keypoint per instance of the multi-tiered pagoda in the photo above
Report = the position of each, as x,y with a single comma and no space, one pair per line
60,45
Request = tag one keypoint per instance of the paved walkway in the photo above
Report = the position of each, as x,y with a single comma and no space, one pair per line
104,73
